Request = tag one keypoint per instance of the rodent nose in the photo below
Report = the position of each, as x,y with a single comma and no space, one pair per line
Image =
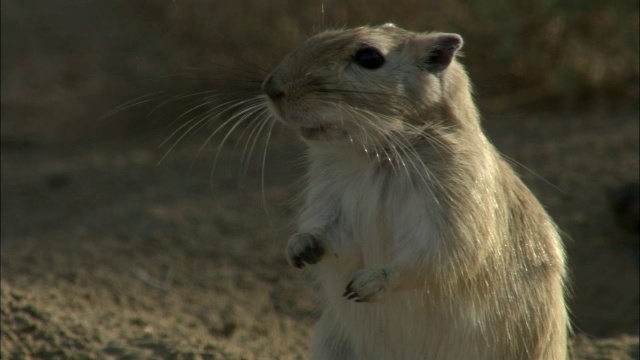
272,88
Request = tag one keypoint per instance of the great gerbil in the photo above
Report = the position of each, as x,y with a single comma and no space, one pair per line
425,243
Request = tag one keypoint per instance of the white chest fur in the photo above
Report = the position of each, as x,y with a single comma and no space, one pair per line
373,214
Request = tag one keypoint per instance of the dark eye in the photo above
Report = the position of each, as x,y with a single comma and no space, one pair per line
369,58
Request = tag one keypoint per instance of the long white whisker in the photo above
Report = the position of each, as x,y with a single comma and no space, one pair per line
214,110
377,145
259,111
131,103
240,117
178,97
203,116
402,149
250,128
265,117
264,161
424,134
517,163
203,120
417,162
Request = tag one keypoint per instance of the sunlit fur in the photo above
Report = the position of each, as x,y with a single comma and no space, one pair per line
450,254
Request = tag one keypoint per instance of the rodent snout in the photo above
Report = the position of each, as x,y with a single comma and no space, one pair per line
272,88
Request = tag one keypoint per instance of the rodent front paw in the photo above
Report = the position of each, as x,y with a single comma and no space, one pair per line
304,249
367,285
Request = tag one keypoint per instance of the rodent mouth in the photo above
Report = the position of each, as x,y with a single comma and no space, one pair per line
312,132
324,132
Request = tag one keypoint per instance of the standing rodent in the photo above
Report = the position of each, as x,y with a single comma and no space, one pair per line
425,243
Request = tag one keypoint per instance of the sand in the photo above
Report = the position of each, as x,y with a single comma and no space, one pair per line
106,254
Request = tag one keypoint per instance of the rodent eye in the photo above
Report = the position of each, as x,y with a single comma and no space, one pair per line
369,58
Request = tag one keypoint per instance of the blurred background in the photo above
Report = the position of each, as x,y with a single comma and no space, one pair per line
88,216
83,58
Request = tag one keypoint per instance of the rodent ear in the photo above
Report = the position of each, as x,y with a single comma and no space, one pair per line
442,51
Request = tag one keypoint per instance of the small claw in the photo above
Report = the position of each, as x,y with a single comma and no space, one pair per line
349,285
352,296
348,292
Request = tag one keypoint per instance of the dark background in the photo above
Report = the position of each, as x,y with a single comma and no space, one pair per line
106,254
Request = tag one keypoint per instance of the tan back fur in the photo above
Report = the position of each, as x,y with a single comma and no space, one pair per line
424,242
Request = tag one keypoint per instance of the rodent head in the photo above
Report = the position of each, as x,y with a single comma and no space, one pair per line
360,85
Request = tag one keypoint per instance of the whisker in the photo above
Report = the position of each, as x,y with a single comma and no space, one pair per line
240,117
211,114
131,103
399,148
430,177
178,97
192,109
232,118
264,161
265,118
516,163
251,129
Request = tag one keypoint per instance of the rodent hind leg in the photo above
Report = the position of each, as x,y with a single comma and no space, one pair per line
330,342
306,248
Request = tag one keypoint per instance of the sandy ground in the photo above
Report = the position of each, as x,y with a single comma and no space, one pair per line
107,255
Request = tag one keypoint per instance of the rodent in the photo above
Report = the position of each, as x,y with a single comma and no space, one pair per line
424,241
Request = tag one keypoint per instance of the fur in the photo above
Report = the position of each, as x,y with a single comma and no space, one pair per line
425,243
